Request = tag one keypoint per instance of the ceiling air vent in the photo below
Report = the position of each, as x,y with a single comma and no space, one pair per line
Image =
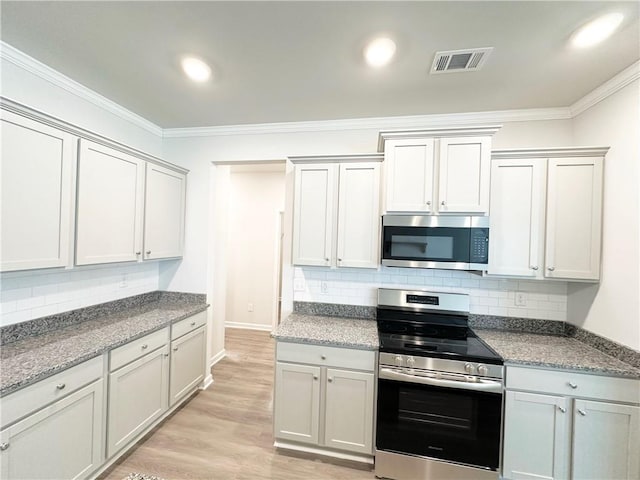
468,60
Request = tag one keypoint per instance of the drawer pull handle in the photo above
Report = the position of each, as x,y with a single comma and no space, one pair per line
582,412
572,385
145,346
193,324
4,446
60,386
562,409
175,349
323,357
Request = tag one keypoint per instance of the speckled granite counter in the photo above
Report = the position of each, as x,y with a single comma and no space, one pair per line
35,357
323,330
553,351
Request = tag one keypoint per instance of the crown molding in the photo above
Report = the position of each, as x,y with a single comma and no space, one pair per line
552,152
621,80
30,64
376,123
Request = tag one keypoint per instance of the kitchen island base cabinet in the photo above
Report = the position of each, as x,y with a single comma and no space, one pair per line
325,408
63,440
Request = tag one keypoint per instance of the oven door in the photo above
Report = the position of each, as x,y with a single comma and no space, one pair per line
437,420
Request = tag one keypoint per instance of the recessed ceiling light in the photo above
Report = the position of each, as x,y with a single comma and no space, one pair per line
597,30
196,69
380,52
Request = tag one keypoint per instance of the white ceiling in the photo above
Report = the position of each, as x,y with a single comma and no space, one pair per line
300,61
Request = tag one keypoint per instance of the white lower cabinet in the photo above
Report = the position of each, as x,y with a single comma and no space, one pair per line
61,441
187,364
328,405
551,436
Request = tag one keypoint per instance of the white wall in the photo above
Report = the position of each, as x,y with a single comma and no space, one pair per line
28,295
612,307
252,237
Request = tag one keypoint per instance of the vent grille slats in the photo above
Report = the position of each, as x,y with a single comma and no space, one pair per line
467,60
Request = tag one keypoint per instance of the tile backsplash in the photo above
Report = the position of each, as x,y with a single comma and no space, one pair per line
28,295
488,296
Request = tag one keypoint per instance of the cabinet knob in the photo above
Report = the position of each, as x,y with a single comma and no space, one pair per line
175,349
428,204
329,379
582,412
148,252
323,357
562,409
315,377
572,385
551,269
339,259
534,267
138,253
61,386
326,259
165,354
193,324
4,446
443,203
144,346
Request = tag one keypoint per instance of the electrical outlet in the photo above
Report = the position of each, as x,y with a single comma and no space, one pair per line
123,281
521,299
324,288
250,307
299,285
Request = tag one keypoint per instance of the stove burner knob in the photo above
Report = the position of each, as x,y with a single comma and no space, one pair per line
482,370
399,360
468,367
411,361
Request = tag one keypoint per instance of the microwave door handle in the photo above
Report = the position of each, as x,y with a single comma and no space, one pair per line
483,385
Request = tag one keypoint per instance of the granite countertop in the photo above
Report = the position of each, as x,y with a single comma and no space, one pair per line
553,351
35,357
322,330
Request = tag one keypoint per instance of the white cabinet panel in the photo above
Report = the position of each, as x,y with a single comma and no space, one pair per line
358,215
606,441
464,169
37,194
574,210
409,175
164,212
138,395
110,205
187,364
314,214
63,440
517,217
297,402
349,410
535,436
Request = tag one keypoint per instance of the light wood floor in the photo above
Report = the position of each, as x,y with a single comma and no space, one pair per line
225,432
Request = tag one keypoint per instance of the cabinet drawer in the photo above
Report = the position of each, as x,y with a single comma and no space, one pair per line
178,329
326,356
137,348
36,396
582,385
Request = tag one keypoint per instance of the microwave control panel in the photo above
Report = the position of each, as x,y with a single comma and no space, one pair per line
479,247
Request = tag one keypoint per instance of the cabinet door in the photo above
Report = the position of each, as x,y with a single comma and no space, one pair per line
37,194
187,364
606,441
409,175
349,411
464,170
63,440
314,214
297,402
164,212
110,205
536,436
517,217
138,395
574,218
358,215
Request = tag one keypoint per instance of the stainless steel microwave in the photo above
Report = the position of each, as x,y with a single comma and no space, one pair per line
428,241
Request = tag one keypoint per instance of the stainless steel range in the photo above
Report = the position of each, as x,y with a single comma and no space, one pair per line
439,390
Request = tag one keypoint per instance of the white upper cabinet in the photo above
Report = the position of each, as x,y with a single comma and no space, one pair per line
37,188
465,164
546,209
437,171
164,212
110,205
574,218
336,211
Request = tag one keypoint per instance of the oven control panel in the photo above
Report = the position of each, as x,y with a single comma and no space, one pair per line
443,365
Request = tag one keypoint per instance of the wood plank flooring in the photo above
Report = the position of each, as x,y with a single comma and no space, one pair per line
225,432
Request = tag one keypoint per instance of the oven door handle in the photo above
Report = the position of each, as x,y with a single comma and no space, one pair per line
482,385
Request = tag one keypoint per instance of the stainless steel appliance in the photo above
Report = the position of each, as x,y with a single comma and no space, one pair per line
439,406
427,241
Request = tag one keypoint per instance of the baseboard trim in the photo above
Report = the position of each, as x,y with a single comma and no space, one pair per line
207,382
249,326
354,457
217,357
